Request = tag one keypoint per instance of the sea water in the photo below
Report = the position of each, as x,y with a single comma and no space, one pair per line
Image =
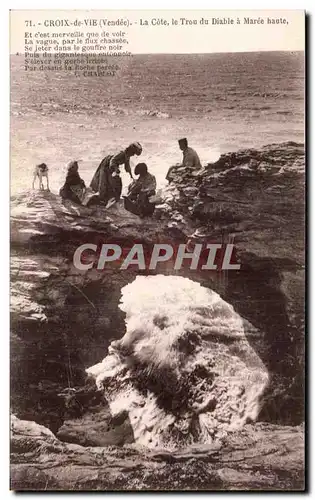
220,102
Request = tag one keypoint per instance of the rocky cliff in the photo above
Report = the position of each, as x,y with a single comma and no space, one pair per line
63,321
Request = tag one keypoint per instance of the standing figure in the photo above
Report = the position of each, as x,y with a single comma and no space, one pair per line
106,180
40,172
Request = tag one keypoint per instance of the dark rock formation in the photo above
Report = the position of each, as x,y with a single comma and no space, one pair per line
263,456
255,199
63,319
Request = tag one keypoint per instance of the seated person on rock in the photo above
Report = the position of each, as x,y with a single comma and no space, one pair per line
139,192
190,159
74,187
106,180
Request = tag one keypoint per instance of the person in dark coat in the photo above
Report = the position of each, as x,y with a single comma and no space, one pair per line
106,180
74,187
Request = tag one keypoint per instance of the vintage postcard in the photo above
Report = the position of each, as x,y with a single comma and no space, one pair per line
157,250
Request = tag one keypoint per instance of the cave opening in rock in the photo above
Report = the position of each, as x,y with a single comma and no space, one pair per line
78,333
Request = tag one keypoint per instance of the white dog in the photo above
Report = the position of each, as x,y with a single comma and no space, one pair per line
40,172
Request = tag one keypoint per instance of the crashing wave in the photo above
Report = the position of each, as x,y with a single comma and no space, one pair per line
184,371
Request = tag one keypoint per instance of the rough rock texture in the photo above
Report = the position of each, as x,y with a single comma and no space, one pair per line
255,199
263,456
64,319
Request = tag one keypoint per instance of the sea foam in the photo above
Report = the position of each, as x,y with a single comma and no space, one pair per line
184,370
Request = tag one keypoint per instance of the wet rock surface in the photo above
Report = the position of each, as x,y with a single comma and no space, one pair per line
263,456
63,320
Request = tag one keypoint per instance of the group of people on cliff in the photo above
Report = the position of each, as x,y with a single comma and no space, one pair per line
106,184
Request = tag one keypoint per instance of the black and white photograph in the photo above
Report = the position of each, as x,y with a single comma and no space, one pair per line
157,250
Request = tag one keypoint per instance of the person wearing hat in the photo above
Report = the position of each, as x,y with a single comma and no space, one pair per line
190,157
74,187
106,180
190,160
